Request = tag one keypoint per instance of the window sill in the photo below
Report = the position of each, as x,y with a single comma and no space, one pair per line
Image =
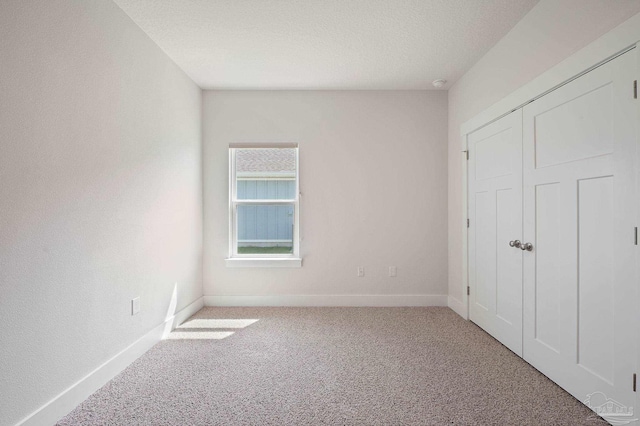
263,262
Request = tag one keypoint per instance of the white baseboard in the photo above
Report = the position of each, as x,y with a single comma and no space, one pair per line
69,399
329,300
457,306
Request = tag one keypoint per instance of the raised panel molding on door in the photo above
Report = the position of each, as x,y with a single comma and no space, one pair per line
495,210
580,281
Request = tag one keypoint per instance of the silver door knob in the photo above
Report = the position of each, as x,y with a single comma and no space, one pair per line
516,244
527,247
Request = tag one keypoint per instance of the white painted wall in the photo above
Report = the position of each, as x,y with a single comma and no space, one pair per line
373,177
100,193
552,31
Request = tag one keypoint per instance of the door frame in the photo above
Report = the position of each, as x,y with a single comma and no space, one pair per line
637,74
613,44
616,42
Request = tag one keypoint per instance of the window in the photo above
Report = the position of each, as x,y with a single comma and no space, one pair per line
263,205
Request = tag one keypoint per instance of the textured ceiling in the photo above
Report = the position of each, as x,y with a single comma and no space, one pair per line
325,44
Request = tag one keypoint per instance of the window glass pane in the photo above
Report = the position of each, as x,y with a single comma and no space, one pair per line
265,229
266,173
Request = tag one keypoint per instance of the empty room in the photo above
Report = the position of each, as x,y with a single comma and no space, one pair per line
319,212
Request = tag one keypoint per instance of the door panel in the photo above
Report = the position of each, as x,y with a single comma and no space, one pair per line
580,280
595,276
506,268
494,156
495,212
548,232
485,250
582,127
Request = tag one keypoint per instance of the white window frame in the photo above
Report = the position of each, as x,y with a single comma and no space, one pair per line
236,259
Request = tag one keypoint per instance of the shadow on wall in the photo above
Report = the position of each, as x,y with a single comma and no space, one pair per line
199,328
171,312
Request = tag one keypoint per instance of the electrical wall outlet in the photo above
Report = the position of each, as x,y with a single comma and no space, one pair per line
135,306
361,271
393,271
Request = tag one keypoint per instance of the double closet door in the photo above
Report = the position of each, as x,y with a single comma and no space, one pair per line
553,210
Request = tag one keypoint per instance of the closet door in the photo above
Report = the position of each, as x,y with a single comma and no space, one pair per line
580,281
495,213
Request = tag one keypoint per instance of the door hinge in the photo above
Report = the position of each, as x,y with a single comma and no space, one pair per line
468,223
634,382
635,238
635,89
466,153
468,290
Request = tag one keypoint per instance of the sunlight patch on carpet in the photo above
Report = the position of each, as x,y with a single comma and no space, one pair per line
217,323
199,335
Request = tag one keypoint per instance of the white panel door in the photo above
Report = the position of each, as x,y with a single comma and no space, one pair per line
495,213
580,283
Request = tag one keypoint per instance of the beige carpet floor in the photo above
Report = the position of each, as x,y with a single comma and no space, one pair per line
330,366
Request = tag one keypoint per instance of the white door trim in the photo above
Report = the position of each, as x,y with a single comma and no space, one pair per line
496,111
465,224
622,38
638,221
